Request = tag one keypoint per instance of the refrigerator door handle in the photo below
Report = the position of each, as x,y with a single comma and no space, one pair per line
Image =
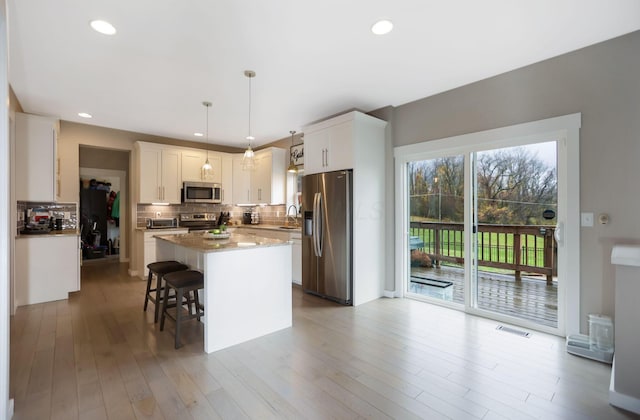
315,224
319,225
317,229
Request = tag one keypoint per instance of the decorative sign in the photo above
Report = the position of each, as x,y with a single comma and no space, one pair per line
549,214
297,154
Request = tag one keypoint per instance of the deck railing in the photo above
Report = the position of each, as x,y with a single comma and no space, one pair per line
528,249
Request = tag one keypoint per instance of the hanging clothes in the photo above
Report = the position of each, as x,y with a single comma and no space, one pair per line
115,209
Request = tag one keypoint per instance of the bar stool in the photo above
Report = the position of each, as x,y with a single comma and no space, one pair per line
184,283
159,269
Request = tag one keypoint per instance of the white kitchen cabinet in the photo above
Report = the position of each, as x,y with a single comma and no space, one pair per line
330,145
261,178
192,161
241,182
296,257
159,174
146,243
47,268
227,178
265,184
37,175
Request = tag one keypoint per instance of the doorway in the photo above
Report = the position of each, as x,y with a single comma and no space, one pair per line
490,223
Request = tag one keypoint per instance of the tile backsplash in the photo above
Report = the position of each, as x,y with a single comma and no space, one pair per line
68,212
273,215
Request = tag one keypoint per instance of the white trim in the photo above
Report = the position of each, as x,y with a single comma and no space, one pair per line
563,129
621,400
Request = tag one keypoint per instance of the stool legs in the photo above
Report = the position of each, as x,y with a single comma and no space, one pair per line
182,295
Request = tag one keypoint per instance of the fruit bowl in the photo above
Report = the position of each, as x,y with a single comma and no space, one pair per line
221,235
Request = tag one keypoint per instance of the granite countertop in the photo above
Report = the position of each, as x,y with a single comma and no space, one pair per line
279,228
50,234
235,242
144,229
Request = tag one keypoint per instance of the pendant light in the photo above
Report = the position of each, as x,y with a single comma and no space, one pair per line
248,163
292,169
207,169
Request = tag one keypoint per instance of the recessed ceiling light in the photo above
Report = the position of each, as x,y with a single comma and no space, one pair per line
382,27
198,134
84,115
103,27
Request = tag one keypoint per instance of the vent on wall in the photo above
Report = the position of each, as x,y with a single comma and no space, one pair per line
513,331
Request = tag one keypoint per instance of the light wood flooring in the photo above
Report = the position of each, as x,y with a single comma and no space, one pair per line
99,356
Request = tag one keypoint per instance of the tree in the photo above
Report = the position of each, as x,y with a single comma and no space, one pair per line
514,187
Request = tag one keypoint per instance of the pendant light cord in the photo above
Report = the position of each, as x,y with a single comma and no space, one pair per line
249,137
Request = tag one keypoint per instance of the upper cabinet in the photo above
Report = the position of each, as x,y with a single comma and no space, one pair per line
227,178
192,161
37,174
339,142
159,173
328,148
266,183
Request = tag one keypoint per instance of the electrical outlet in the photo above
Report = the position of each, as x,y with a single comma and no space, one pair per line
586,219
158,214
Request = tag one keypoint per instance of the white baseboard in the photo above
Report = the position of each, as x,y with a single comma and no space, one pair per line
132,273
10,408
389,294
619,400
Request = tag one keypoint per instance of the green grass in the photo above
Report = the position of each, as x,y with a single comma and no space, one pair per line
452,244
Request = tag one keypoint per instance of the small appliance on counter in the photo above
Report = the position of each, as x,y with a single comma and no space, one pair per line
166,223
255,218
37,221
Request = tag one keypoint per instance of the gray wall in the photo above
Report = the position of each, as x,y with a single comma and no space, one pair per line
603,83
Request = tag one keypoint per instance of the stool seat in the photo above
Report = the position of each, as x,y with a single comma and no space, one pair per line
164,267
159,269
185,279
185,283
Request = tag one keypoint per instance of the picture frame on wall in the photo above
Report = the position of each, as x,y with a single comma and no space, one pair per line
297,154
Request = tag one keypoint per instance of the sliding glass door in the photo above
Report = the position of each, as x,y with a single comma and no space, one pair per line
515,193
436,239
490,223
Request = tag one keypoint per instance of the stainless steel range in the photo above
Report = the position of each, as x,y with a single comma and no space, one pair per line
198,222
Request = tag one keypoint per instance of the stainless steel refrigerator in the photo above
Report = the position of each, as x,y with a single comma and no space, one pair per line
327,235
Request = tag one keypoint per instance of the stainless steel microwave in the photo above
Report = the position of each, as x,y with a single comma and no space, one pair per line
201,192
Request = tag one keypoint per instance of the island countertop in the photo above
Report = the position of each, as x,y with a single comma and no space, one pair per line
200,243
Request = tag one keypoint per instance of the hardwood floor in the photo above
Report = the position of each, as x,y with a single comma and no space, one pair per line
99,356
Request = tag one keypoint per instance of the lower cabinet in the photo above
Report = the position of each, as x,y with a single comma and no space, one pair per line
296,258
47,268
146,243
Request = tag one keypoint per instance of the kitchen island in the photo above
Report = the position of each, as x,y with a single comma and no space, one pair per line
247,284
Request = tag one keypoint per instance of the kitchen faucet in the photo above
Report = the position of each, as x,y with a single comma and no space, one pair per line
295,220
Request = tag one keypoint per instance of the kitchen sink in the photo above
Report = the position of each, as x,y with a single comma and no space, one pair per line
289,227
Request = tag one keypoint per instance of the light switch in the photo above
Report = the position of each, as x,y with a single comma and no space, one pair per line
586,219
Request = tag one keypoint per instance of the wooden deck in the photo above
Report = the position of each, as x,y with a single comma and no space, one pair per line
530,298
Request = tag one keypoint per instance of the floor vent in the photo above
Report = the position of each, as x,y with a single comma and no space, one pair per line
513,331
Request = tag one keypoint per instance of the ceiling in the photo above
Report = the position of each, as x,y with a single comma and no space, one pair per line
312,59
